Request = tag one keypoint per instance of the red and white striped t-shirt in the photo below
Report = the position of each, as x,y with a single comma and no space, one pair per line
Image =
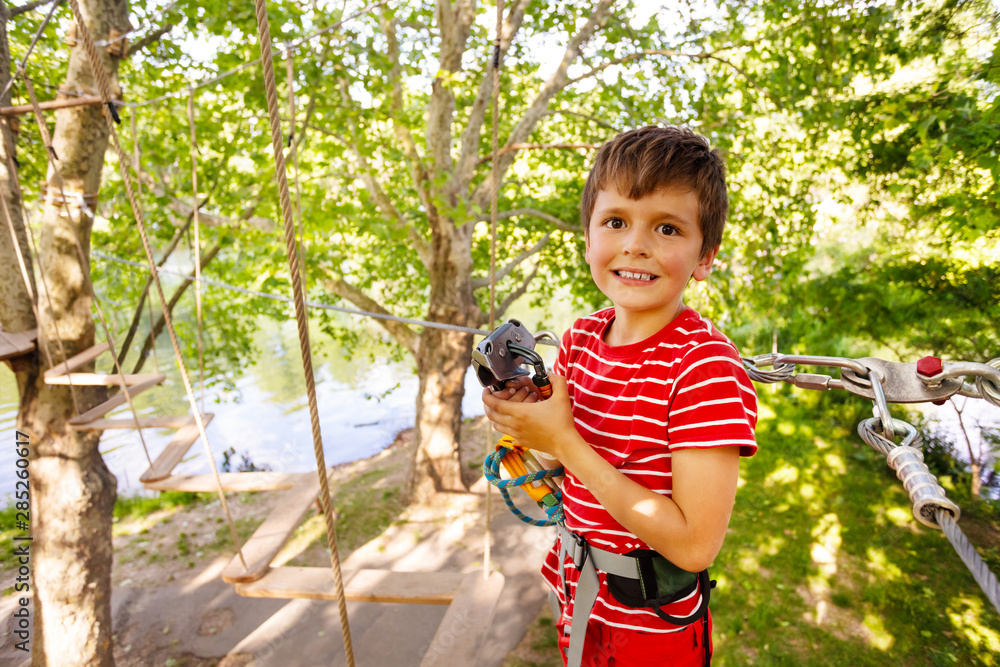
634,404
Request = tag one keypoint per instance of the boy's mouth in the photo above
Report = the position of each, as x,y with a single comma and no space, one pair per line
634,275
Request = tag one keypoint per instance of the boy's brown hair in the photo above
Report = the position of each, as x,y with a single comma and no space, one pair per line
639,162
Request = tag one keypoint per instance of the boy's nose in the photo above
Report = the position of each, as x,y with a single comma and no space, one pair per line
636,243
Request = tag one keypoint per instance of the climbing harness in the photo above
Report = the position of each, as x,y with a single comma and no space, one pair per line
883,382
642,579
497,359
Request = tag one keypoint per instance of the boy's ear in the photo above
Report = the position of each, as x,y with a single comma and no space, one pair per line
704,267
586,242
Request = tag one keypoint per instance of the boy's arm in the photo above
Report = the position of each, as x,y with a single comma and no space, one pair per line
687,528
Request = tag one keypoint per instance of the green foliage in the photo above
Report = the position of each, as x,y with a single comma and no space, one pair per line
137,506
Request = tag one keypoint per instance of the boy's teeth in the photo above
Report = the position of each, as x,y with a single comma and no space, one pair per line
635,276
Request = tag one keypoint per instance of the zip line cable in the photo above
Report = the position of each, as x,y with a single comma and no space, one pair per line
31,47
310,304
214,79
494,218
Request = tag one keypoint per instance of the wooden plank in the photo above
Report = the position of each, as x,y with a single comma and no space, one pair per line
316,583
466,622
175,449
15,344
164,421
265,544
78,360
97,379
231,481
115,401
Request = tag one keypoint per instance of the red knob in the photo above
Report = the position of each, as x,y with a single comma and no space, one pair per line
929,366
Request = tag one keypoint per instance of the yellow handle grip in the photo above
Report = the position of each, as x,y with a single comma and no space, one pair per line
514,465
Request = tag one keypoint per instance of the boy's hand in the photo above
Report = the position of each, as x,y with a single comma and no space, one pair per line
542,425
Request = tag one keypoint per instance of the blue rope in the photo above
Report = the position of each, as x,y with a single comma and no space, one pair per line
491,469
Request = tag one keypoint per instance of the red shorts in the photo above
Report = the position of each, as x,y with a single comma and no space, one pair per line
605,646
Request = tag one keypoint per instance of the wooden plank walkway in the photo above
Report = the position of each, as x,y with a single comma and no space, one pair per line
97,379
468,619
16,344
165,421
175,449
231,481
115,401
78,360
267,541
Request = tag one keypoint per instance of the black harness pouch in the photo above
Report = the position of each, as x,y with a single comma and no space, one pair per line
660,583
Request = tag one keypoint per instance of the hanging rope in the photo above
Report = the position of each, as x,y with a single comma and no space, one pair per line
110,114
301,318
197,246
494,216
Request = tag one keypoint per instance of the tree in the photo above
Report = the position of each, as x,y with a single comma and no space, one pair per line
394,153
72,491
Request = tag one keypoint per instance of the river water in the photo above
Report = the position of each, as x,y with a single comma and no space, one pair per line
263,413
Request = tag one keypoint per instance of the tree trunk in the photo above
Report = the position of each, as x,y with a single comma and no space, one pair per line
442,360
72,491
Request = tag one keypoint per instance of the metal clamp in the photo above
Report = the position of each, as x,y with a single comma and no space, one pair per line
780,372
900,382
987,378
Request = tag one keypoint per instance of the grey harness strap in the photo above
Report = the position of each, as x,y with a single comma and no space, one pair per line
588,560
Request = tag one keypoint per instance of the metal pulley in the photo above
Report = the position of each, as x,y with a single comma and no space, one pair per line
492,359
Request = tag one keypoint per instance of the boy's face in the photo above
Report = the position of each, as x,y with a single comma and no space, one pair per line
642,254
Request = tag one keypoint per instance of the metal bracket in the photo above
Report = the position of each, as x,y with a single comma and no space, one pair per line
900,382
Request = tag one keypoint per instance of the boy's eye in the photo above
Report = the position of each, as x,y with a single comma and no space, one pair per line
666,230
614,223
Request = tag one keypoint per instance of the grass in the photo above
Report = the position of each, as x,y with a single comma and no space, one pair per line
824,563
129,508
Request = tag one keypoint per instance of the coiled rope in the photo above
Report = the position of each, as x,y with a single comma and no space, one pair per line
491,469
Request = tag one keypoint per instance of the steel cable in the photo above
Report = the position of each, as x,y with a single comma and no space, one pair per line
314,304
973,561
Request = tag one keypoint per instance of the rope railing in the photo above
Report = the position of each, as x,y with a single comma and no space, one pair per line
110,116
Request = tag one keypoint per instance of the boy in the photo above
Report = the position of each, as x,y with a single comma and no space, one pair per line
649,417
